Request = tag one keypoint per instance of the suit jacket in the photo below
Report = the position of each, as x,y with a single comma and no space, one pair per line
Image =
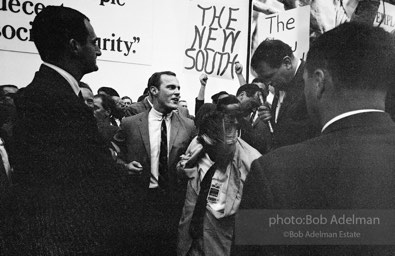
350,166
257,135
66,184
293,122
134,134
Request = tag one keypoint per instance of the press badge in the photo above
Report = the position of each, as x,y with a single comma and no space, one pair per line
213,194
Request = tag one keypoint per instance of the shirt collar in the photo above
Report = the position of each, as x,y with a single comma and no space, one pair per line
159,116
346,114
69,78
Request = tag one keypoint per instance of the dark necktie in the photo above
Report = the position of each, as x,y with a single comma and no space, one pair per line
163,179
196,226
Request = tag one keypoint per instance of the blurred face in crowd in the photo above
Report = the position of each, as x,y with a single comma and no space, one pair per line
127,102
89,51
276,77
183,104
98,111
9,93
168,94
88,97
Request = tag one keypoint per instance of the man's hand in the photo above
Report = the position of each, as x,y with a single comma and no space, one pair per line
238,68
134,168
203,79
264,113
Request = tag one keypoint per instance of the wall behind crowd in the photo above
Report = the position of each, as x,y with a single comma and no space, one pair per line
168,37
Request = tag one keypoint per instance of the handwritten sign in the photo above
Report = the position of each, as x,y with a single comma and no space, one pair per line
217,32
124,28
386,19
292,27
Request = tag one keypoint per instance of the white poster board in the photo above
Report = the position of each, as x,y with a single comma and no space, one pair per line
125,37
292,27
217,37
385,17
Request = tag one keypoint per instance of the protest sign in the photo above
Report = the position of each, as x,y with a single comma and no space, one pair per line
292,27
124,28
217,37
385,17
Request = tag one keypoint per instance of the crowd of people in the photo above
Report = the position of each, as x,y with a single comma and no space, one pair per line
85,174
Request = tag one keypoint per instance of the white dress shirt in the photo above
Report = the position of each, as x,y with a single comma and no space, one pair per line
154,126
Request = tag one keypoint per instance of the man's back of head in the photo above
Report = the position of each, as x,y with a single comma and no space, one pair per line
349,68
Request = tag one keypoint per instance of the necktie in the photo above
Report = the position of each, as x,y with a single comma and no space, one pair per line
163,179
196,226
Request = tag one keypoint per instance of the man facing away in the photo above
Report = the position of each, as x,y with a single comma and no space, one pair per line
274,63
66,185
351,164
152,143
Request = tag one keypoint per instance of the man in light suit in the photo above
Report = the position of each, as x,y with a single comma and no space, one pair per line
65,179
351,164
161,193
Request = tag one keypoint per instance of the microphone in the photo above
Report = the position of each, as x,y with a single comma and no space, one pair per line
263,103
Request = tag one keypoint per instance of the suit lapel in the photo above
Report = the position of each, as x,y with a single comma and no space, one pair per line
144,131
175,127
233,187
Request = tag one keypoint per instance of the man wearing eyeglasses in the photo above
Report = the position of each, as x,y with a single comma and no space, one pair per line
274,62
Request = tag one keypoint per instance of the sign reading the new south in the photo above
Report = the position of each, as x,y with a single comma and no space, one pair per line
124,27
385,17
292,27
217,36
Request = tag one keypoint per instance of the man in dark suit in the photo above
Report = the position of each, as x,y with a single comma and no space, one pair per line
274,63
66,185
351,164
253,130
154,141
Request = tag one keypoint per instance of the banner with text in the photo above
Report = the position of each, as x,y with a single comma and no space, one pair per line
292,27
217,37
385,17
124,28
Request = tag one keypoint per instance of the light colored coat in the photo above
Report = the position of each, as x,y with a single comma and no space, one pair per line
218,233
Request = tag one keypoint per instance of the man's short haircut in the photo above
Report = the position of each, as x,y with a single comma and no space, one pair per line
53,28
249,89
126,97
155,79
212,126
357,56
109,91
272,52
257,80
215,97
107,103
85,85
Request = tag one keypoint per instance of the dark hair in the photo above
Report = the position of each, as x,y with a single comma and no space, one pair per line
127,97
202,112
85,85
107,103
212,125
53,28
356,55
109,91
272,52
257,80
215,97
155,79
249,89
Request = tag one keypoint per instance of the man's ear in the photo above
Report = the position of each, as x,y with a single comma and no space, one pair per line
287,61
153,90
320,77
74,46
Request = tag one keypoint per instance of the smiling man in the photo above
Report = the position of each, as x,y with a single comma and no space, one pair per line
154,141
